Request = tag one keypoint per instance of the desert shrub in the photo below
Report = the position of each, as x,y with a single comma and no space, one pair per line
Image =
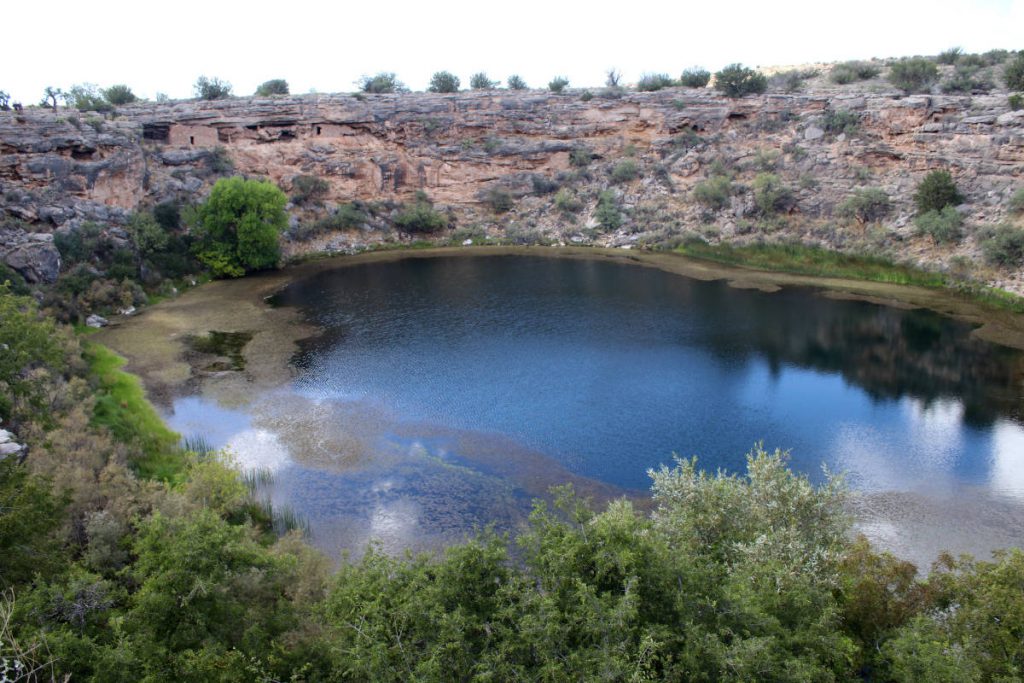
119,94
444,81
515,82
1016,203
1004,246
866,206
275,86
1013,73
480,81
420,217
384,82
967,79
13,280
1015,101
695,77
624,171
165,251
168,215
218,160
211,88
239,225
543,184
586,96
714,192
792,80
737,80
567,202
651,82
607,212
936,191
307,188
994,57
580,157
500,200
943,225
345,217
558,84
949,56
851,72
771,195
915,74
836,121
86,97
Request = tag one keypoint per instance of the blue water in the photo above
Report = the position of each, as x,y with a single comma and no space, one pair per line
445,394
610,369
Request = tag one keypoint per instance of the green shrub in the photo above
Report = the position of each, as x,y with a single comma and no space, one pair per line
500,200
586,96
119,95
580,157
558,84
1013,73
737,80
836,121
652,82
994,57
211,88
967,79
1015,101
1016,203
607,212
936,191
239,225
308,188
444,81
383,83
480,81
275,86
567,202
949,56
86,97
1004,246
943,225
866,206
792,80
915,74
624,171
420,217
851,72
543,185
714,192
695,77
771,195
515,82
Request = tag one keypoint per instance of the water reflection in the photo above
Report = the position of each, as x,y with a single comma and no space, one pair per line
444,394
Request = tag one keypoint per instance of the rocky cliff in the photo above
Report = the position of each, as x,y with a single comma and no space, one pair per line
61,169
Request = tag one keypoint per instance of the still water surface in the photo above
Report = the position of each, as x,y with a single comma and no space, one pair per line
444,394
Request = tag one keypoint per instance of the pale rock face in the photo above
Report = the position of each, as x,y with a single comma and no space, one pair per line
59,172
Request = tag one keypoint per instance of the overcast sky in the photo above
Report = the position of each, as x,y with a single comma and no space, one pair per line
163,47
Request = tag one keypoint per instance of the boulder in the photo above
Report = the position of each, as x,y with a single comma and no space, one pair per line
36,261
96,321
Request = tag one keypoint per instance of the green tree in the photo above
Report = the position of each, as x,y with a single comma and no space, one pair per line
383,82
211,88
516,82
936,191
29,516
31,344
866,205
558,84
239,225
737,80
119,94
444,81
275,86
50,97
480,81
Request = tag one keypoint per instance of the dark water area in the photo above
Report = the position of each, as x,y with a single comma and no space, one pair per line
461,387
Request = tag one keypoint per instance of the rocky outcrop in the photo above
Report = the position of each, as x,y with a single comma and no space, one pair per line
58,170
32,255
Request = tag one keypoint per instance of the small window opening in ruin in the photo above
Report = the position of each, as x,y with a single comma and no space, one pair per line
318,130
191,139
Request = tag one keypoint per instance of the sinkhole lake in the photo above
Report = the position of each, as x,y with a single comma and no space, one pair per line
444,394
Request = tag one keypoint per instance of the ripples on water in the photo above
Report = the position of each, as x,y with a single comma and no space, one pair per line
445,393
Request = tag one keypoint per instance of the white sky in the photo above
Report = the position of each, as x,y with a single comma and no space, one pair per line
163,47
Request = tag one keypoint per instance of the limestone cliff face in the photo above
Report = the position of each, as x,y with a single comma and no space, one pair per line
58,170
